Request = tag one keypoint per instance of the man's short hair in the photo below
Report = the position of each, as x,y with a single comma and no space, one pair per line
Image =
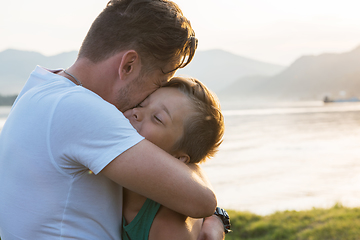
156,29
204,129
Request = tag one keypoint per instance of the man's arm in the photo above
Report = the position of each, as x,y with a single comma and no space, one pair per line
151,172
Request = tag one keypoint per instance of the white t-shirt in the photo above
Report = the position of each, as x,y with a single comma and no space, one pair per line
56,140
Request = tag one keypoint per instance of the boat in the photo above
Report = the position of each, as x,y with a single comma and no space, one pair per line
328,100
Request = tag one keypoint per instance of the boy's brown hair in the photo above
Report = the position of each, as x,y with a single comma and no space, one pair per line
204,129
156,29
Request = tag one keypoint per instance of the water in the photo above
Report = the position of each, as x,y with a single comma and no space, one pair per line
4,112
286,157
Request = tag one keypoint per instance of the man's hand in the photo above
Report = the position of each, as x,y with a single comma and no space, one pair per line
212,229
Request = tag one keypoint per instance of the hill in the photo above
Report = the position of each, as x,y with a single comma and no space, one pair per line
308,78
216,68
17,65
219,69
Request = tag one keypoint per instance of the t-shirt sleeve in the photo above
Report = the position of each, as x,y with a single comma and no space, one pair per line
87,132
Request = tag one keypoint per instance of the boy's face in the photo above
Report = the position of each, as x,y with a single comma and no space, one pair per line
161,116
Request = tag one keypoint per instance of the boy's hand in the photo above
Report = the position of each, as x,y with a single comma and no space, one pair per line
212,229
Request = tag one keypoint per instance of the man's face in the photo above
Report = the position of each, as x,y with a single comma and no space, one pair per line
161,116
139,88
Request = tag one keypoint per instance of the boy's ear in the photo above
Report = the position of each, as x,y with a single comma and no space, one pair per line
183,157
129,64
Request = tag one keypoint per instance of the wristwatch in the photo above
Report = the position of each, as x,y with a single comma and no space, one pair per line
224,217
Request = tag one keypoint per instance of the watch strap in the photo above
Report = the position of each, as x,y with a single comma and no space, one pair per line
224,217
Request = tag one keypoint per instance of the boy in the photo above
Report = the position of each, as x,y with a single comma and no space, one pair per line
184,119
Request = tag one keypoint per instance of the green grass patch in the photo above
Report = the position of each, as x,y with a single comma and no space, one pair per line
336,223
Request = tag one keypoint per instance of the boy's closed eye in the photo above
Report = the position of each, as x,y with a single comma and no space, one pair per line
158,119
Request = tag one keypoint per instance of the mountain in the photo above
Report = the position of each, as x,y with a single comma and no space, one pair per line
16,66
218,69
308,78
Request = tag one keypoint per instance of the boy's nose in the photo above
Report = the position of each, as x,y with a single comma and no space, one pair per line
136,114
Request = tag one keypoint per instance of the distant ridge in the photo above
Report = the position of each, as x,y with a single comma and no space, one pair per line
216,68
308,78
16,66
230,76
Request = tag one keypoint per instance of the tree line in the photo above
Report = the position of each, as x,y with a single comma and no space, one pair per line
7,100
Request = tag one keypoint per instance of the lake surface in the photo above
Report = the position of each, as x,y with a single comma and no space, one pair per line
288,158
291,156
4,112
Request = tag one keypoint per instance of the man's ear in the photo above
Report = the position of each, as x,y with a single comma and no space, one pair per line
129,64
183,157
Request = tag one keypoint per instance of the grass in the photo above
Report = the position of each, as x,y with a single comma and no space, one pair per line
336,223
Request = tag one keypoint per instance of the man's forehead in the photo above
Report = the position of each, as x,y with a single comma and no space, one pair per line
170,69
159,77
165,78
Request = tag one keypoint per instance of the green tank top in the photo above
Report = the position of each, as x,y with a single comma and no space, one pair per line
139,227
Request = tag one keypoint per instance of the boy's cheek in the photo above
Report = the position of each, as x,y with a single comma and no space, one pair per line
127,114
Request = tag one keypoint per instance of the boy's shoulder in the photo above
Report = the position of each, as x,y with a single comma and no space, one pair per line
172,225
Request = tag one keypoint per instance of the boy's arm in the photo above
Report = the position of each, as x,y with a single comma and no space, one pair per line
171,225
151,172
212,228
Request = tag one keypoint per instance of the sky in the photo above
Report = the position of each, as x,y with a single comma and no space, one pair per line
273,31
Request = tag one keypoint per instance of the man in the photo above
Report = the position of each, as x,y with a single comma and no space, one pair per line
66,149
